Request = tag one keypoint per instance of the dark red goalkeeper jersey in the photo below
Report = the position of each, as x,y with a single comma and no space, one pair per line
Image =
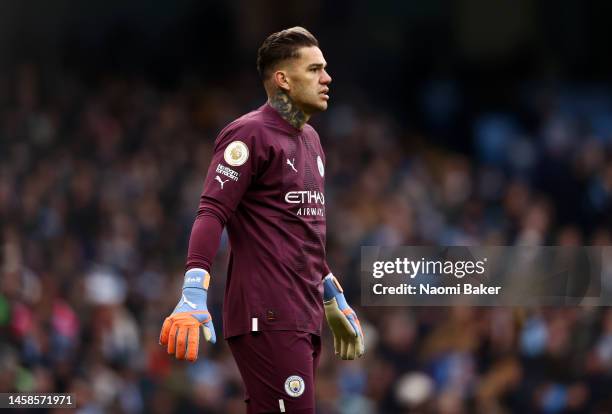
266,185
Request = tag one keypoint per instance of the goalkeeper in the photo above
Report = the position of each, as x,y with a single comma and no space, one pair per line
265,184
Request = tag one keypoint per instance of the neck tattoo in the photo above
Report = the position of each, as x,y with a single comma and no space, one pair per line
288,110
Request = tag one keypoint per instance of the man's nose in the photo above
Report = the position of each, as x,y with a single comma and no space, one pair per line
325,79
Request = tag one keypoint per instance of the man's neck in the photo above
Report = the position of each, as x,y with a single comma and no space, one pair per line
288,109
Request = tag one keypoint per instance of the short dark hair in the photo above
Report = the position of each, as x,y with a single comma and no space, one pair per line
281,46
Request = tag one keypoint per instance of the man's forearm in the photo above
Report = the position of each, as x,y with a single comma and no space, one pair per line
204,240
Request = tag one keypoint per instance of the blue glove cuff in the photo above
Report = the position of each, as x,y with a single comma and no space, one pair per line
196,278
332,289
195,291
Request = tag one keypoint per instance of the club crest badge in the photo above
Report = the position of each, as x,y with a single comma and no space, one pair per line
294,386
236,153
320,165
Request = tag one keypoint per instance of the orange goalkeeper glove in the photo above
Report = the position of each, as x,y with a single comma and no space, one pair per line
181,330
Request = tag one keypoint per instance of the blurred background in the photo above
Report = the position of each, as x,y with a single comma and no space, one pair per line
461,122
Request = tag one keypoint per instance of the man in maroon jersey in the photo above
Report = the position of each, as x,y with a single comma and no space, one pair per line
265,184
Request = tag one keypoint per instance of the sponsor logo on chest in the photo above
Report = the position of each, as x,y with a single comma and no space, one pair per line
312,203
305,197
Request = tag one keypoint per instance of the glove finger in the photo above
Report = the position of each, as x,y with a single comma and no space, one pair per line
344,348
209,332
360,349
337,345
172,338
165,331
359,330
350,353
352,318
359,345
193,343
181,342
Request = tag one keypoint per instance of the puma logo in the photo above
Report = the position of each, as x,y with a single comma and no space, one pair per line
221,181
188,302
292,164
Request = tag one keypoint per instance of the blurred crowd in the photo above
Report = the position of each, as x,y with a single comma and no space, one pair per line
99,186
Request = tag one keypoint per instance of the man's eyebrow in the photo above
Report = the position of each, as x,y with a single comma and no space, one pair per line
317,65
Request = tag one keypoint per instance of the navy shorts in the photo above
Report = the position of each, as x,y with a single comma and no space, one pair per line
278,370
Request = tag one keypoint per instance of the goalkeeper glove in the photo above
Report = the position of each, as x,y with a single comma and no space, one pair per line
180,330
342,320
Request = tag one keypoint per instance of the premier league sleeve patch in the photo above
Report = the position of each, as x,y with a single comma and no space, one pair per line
236,153
294,386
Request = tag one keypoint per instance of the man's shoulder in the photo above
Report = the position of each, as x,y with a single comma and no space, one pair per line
250,127
310,131
260,122
251,121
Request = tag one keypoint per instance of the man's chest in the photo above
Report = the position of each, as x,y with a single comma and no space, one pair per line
300,162
296,175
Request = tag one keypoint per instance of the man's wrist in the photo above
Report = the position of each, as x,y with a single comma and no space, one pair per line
331,288
196,278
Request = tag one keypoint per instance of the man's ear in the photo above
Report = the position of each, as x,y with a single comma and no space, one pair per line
280,80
